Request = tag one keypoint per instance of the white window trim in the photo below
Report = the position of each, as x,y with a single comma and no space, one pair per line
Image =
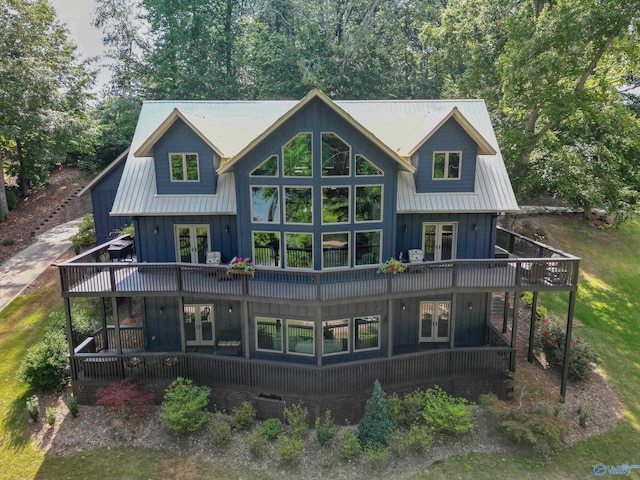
284,172
284,204
355,167
184,166
313,343
433,326
355,199
454,246
197,322
284,251
351,205
256,222
350,155
355,234
349,237
282,335
446,165
277,175
349,326
357,350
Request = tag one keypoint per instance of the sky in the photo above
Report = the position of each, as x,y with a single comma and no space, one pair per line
77,14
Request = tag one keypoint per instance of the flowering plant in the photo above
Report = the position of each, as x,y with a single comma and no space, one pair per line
244,264
392,266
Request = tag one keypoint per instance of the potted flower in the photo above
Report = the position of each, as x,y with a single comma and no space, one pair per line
242,266
392,266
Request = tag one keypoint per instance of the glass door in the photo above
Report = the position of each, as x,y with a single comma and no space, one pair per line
198,325
434,321
439,241
192,243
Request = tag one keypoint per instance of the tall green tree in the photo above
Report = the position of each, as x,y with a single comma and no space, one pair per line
43,93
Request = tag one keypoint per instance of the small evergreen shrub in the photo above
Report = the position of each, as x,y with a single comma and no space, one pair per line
72,405
183,406
257,443
583,415
376,456
12,197
272,428
325,428
220,429
375,426
126,398
297,416
86,235
50,413
243,415
420,438
444,413
7,241
33,407
45,365
290,449
348,444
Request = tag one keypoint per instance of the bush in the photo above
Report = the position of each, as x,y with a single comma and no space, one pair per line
395,409
405,411
444,413
375,426
348,443
72,405
398,443
257,443
33,407
183,406
290,448
325,428
550,339
420,438
298,419
376,456
86,235
272,428
243,415
12,198
583,415
126,398
527,299
220,429
7,241
83,321
51,415
45,365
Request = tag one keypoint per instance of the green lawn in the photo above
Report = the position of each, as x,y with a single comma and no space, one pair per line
606,314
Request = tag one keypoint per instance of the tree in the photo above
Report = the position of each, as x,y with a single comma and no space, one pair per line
43,93
375,427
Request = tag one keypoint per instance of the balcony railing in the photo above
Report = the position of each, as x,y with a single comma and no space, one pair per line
542,267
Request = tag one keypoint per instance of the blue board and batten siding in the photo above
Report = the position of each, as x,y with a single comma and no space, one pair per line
103,194
450,137
180,138
317,118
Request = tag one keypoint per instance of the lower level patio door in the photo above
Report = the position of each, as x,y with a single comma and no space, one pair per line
192,243
198,325
434,321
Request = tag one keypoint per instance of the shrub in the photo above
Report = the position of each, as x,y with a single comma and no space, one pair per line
72,405
583,415
290,448
126,398
325,428
272,428
395,409
550,339
33,407
86,235
45,365
183,406
243,415
50,413
420,438
398,443
376,456
527,299
375,426
405,411
7,241
257,443
348,443
444,413
12,198
83,321
220,429
297,416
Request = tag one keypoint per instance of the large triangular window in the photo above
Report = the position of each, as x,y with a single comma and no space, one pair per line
268,168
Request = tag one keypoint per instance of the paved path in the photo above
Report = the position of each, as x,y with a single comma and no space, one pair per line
20,270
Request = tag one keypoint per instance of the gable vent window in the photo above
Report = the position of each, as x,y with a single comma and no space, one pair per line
446,165
184,167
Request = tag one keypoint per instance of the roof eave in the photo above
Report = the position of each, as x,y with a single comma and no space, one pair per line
103,173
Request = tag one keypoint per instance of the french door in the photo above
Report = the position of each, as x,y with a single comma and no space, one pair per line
439,241
192,243
434,321
198,325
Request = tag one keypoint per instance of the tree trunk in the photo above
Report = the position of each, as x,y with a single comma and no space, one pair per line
4,207
23,182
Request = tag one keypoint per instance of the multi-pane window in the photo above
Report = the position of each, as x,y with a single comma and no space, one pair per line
366,333
369,203
335,204
268,334
265,205
335,250
446,165
184,167
300,337
336,156
268,168
297,156
365,168
266,248
368,248
298,205
335,336
299,250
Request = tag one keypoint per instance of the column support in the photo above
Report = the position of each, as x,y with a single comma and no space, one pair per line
567,345
532,325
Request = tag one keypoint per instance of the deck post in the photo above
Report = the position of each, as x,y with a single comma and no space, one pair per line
319,337
567,345
245,327
452,321
116,324
505,313
67,314
104,332
183,339
532,325
389,328
514,334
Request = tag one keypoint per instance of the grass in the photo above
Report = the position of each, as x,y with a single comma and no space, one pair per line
606,315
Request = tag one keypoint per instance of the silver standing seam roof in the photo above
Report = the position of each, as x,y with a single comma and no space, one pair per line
232,125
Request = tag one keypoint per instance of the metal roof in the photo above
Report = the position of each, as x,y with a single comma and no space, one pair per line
401,126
